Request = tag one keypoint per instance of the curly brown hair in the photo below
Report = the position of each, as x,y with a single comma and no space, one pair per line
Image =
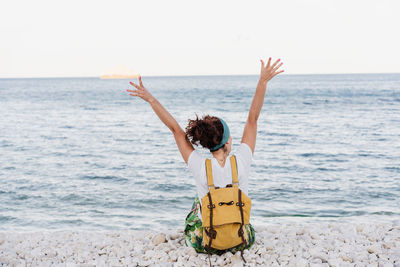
207,131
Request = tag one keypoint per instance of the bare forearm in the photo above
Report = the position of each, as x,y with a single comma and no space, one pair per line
164,115
250,129
184,145
258,101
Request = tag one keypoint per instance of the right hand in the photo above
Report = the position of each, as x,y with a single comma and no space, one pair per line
141,91
269,71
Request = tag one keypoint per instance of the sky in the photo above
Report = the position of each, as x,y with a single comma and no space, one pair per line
89,38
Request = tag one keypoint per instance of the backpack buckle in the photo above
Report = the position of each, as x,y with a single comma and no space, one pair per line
240,232
211,207
211,233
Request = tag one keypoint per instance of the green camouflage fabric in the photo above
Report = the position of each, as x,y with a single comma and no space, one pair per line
194,233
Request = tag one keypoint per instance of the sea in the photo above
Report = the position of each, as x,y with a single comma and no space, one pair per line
82,154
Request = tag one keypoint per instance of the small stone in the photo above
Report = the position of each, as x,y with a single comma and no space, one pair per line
388,245
149,254
143,263
259,260
236,260
322,256
315,236
316,261
173,256
345,257
383,263
174,236
190,251
372,257
2,238
237,264
301,262
373,249
359,228
268,245
300,231
228,255
219,261
333,262
158,239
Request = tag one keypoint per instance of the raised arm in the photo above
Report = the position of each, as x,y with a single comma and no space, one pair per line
184,145
266,74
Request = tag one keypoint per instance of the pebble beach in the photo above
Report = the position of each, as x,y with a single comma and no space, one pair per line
288,244
95,179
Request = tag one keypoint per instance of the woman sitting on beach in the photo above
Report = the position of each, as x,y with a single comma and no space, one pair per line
213,133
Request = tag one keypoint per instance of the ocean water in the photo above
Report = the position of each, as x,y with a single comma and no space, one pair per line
80,153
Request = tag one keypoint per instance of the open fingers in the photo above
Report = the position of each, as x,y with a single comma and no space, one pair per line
276,73
277,67
276,62
140,81
133,92
137,86
269,63
262,63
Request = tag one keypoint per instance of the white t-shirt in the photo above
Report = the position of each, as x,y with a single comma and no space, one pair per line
221,175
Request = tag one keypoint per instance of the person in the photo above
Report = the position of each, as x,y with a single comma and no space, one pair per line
213,133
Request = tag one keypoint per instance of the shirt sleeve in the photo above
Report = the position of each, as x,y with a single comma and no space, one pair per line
245,155
197,168
194,162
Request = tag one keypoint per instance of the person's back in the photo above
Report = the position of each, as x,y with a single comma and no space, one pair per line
222,175
213,133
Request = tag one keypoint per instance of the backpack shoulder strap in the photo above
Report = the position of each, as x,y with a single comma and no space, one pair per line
210,181
235,179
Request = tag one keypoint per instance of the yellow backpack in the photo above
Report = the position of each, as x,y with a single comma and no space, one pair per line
224,212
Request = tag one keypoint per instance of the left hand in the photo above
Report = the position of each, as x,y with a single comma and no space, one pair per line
141,91
269,71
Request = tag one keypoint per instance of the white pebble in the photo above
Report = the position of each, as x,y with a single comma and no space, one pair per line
158,239
301,262
288,244
373,249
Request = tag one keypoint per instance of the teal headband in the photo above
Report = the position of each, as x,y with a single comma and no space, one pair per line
225,136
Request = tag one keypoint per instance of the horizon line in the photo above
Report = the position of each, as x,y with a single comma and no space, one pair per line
197,75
